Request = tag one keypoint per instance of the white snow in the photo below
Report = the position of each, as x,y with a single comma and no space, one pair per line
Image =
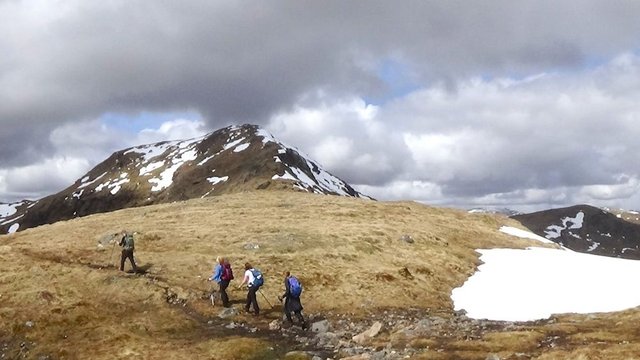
206,160
216,180
522,285
266,137
553,231
78,194
11,220
152,150
595,246
524,234
115,187
152,166
165,178
113,184
9,209
232,144
13,228
241,147
285,176
85,184
184,153
633,212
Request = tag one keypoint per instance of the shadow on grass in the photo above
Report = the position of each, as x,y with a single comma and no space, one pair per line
141,269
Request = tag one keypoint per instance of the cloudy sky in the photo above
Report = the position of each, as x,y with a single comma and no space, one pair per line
520,104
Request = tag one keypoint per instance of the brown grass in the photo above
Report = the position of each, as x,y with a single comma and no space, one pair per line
347,252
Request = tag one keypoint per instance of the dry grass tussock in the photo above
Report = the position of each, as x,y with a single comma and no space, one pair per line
347,252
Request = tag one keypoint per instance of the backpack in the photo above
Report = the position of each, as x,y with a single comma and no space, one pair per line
258,280
128,242
227,272
295,288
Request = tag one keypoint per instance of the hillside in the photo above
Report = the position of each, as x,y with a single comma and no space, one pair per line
63,298
587,229
232,159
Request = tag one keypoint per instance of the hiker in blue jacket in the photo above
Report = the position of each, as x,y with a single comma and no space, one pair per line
222,275
291,296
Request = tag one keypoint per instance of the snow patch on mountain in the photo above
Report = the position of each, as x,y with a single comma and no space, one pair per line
554,231
241,147
216,180
84,180
7,210
113,184
13,228
524,234
524,285
181,153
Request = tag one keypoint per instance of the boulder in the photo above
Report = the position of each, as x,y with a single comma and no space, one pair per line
364,336
358,357
227,313
274,325
407,238
320,327
297,355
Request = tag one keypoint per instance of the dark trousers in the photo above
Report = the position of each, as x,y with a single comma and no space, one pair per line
127,254
252,299
293,305
222,291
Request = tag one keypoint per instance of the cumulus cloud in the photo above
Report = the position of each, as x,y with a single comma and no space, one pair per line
78,147
346,137
171,130
545,140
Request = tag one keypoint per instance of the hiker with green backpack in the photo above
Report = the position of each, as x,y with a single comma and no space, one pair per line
128,247
253,278
291,296
222,274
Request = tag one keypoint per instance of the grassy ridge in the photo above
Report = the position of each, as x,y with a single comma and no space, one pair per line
347,252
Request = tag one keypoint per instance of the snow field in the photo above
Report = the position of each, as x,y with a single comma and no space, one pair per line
523,285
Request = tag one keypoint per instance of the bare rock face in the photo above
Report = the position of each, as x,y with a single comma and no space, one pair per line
232,159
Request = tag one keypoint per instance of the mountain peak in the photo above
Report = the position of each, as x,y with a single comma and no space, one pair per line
231,159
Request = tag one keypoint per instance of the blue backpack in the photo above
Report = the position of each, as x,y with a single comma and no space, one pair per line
295,288
258,280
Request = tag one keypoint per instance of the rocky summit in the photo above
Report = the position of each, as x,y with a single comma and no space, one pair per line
232,159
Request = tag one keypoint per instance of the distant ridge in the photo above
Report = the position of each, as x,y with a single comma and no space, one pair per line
586,229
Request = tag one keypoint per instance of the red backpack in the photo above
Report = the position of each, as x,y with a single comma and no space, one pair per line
227,272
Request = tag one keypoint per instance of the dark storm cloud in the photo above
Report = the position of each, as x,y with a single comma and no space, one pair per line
243,61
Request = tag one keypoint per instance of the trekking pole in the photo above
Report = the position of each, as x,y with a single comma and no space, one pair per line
111,256
265,298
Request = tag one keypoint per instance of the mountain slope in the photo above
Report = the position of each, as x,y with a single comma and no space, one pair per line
62,296
348,253
586,229
232,159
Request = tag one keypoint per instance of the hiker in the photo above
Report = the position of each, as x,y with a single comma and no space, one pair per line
222,274
291,297
253,279
127,250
